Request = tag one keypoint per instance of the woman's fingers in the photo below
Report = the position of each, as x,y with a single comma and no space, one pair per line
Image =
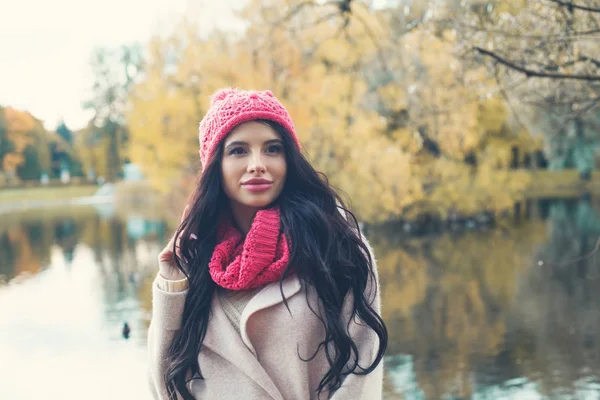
167,251
166,255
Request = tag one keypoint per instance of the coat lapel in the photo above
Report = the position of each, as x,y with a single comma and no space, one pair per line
268,297
222,338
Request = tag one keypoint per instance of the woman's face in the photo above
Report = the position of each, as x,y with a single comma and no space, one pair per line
253,166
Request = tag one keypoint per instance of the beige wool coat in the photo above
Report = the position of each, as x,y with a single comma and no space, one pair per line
262,361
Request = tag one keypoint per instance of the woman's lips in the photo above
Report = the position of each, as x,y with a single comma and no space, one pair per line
258,187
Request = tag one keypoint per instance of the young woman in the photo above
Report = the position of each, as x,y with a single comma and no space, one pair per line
267,290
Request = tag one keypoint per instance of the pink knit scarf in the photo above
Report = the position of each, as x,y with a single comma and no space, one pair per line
260,258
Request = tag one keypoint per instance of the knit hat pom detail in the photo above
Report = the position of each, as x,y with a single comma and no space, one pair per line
221,95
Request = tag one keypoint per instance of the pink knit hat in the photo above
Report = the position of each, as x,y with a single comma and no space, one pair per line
230,107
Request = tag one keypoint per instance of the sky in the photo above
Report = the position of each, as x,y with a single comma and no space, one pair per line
45,46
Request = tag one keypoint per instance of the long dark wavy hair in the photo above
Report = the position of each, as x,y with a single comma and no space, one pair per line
328,253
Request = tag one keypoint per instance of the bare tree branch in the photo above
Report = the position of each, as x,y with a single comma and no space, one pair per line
572,6
594,61
532,73
555,67
293,12
593,104
506,97
554,36
296,9
318,44
373,38
324,18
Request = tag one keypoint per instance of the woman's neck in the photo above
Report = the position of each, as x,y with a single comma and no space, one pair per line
243,216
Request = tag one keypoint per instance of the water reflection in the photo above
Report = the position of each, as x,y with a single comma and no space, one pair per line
73,278
478,316
471,315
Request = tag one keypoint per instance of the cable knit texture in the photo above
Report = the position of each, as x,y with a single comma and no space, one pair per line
230,107
260,258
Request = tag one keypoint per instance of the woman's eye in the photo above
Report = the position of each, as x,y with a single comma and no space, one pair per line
274,149
236,150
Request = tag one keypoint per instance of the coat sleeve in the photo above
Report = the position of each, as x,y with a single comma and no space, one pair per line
364,387
167,309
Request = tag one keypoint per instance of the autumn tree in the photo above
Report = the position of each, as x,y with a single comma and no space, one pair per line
544,55
387,112
24,148
115,70
65,133
64,155
6,146
446,115
92,146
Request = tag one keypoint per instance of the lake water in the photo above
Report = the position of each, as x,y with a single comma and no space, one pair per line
504,312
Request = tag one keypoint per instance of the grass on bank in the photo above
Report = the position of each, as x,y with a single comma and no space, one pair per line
15,219
563,183
545,183
46,193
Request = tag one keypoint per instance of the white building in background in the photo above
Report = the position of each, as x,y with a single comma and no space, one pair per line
132,172
65,175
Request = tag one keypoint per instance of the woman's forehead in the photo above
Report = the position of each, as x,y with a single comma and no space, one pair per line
251,131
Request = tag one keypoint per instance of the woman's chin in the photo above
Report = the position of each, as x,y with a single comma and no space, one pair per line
261,202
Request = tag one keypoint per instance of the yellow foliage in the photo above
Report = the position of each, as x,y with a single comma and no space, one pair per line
18,121
22,130
371,135
509,6
12,161
492,114
93,150
18,126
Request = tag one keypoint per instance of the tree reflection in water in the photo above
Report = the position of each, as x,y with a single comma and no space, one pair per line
480,318
470,314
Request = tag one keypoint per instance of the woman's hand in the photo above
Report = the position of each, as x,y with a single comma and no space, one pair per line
167,267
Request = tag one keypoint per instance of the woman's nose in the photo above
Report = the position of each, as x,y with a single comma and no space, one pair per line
256,163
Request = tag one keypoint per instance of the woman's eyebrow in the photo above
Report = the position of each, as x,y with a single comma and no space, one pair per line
273,141
236,143
242,143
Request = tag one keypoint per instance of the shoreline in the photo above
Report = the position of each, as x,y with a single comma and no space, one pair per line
8,207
